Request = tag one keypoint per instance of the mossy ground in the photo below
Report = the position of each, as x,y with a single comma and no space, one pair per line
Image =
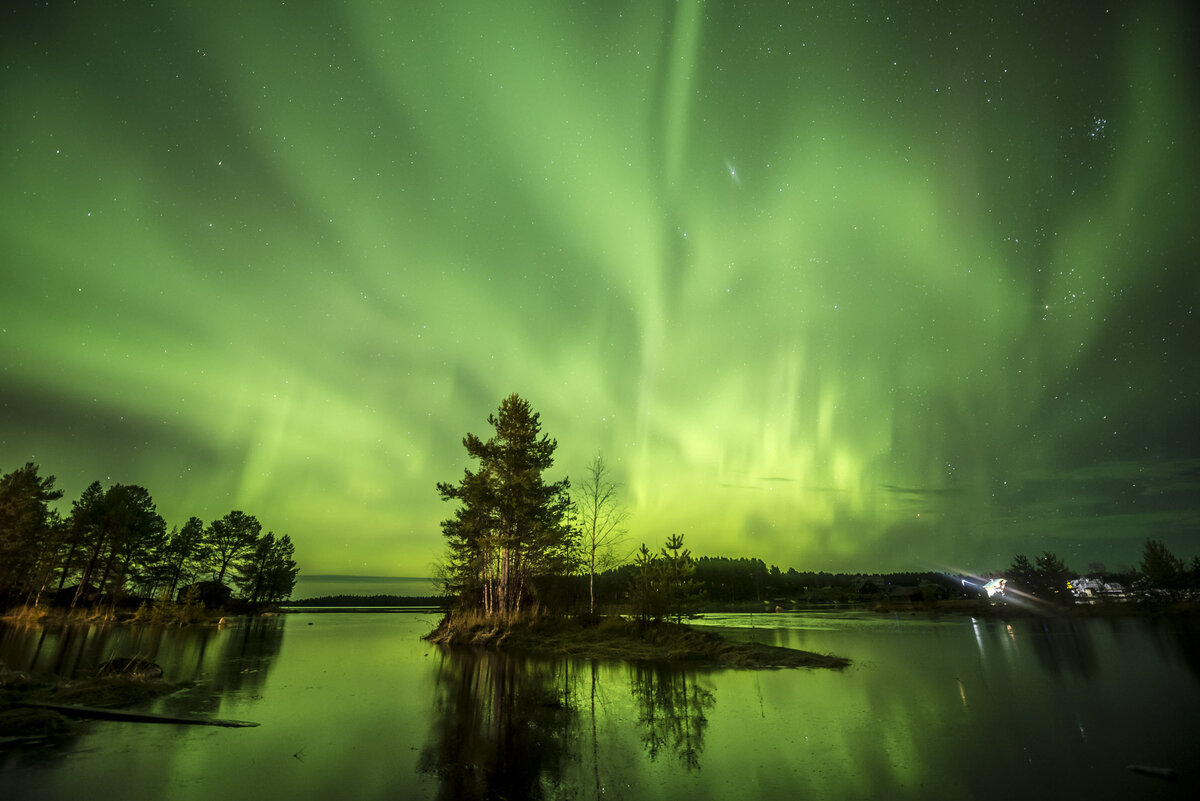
618,639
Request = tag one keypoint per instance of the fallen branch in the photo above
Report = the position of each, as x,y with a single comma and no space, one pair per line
133,717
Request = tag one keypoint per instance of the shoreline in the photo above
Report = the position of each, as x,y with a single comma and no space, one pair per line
54,616
975,608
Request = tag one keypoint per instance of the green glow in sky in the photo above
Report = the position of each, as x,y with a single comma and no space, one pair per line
844,287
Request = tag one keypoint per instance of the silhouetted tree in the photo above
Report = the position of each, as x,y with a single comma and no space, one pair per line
229,539
184,556
27,536
645,591
49,558
1052,576
1163,569
114,531
511,526
664,584
132,529
1021,571
679,579
83,535
268,573
114,542
1046,577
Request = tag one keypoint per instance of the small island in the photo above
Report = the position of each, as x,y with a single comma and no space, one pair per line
615,638
515,539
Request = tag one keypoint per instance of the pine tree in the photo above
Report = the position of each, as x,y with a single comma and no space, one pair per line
228,539
267,573
26,530
683,593
664,584
645,591
1163,569
511,526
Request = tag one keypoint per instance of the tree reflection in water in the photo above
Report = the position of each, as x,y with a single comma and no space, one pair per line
671,711
504,726
244,658
210,663
501,726
233,657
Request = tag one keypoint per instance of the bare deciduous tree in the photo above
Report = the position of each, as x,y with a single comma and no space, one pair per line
601,520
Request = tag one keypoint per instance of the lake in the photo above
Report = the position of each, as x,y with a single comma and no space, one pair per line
356,705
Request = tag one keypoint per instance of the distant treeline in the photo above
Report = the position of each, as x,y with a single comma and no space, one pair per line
1161,575
735,581
372,600
725,580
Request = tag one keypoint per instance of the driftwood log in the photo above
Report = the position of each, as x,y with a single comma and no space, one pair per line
132,717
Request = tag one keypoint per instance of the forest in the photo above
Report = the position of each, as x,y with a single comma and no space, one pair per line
113,551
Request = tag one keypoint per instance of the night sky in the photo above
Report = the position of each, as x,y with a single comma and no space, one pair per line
842,286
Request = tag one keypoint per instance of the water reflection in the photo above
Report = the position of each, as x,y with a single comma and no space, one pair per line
500,726
512,727
358,706
231,657
672,706
239,663
1064,646
210,663
1179,638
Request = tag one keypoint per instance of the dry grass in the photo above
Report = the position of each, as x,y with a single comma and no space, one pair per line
162,612
39,615
26,615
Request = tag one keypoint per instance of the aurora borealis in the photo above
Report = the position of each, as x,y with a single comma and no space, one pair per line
843,286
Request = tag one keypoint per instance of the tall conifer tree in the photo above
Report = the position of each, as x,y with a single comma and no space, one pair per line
511,526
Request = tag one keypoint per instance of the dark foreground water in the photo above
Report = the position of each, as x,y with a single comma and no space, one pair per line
356,706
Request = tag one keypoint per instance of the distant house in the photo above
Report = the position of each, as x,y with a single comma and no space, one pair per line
66,596
212,594
1091,590
867,585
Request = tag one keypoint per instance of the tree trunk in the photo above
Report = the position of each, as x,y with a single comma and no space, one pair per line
592,583
87,572
66,566
502,589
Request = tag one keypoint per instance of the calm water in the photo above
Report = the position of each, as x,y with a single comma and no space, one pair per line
357,706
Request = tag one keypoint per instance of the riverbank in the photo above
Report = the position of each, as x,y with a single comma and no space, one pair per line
174,615
614,638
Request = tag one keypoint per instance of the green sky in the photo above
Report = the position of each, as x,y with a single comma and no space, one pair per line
844,286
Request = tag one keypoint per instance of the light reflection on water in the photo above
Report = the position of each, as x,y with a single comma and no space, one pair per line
356,705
